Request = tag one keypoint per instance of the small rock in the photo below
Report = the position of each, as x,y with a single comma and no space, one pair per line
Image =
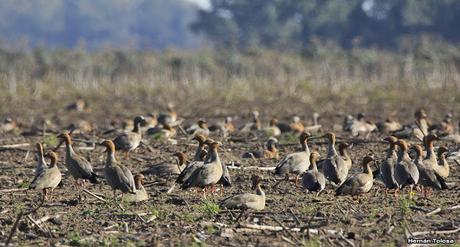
56,221
31,235
227,233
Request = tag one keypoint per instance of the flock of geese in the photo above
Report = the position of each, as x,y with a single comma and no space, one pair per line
425,171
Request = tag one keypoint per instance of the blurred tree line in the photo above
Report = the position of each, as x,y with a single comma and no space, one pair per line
278,24
96,23
349,23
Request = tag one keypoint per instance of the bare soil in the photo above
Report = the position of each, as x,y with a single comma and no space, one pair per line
184,218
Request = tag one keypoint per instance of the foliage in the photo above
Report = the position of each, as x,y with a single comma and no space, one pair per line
210,208
94,24
294,23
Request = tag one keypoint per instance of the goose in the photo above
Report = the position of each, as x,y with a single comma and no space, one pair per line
8,125
446,127
48,178
295,163
247,201
388,126
360,126
188,170
225,128
428,177
442,169
406,172
141,194
207,175
254,124
162,131
418,129
270,153
78,166
166,169
41,164
359,183
201,152
200,155
295,125
454,137
272,129
129,141
169,117
430,158
79,105
201,128
336,165
118,176
347,122
316,127
313,180
387,168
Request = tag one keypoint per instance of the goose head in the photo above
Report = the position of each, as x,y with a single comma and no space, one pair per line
181,157
139,180
109,145
303,137
66,137
202,124
402,145
330,137
256,180
273,122
200,138
418,150
314,156
53,157
420,114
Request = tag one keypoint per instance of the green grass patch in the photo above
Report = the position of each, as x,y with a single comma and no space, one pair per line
210,208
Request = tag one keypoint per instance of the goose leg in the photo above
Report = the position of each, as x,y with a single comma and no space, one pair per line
44,195
127,155
51,193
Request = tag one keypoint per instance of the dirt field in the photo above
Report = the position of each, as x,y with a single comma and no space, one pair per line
184,218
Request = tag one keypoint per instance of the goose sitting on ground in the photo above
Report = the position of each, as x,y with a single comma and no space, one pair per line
359,183
167,168
255,124
270,153
389,125
141,194
247,200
